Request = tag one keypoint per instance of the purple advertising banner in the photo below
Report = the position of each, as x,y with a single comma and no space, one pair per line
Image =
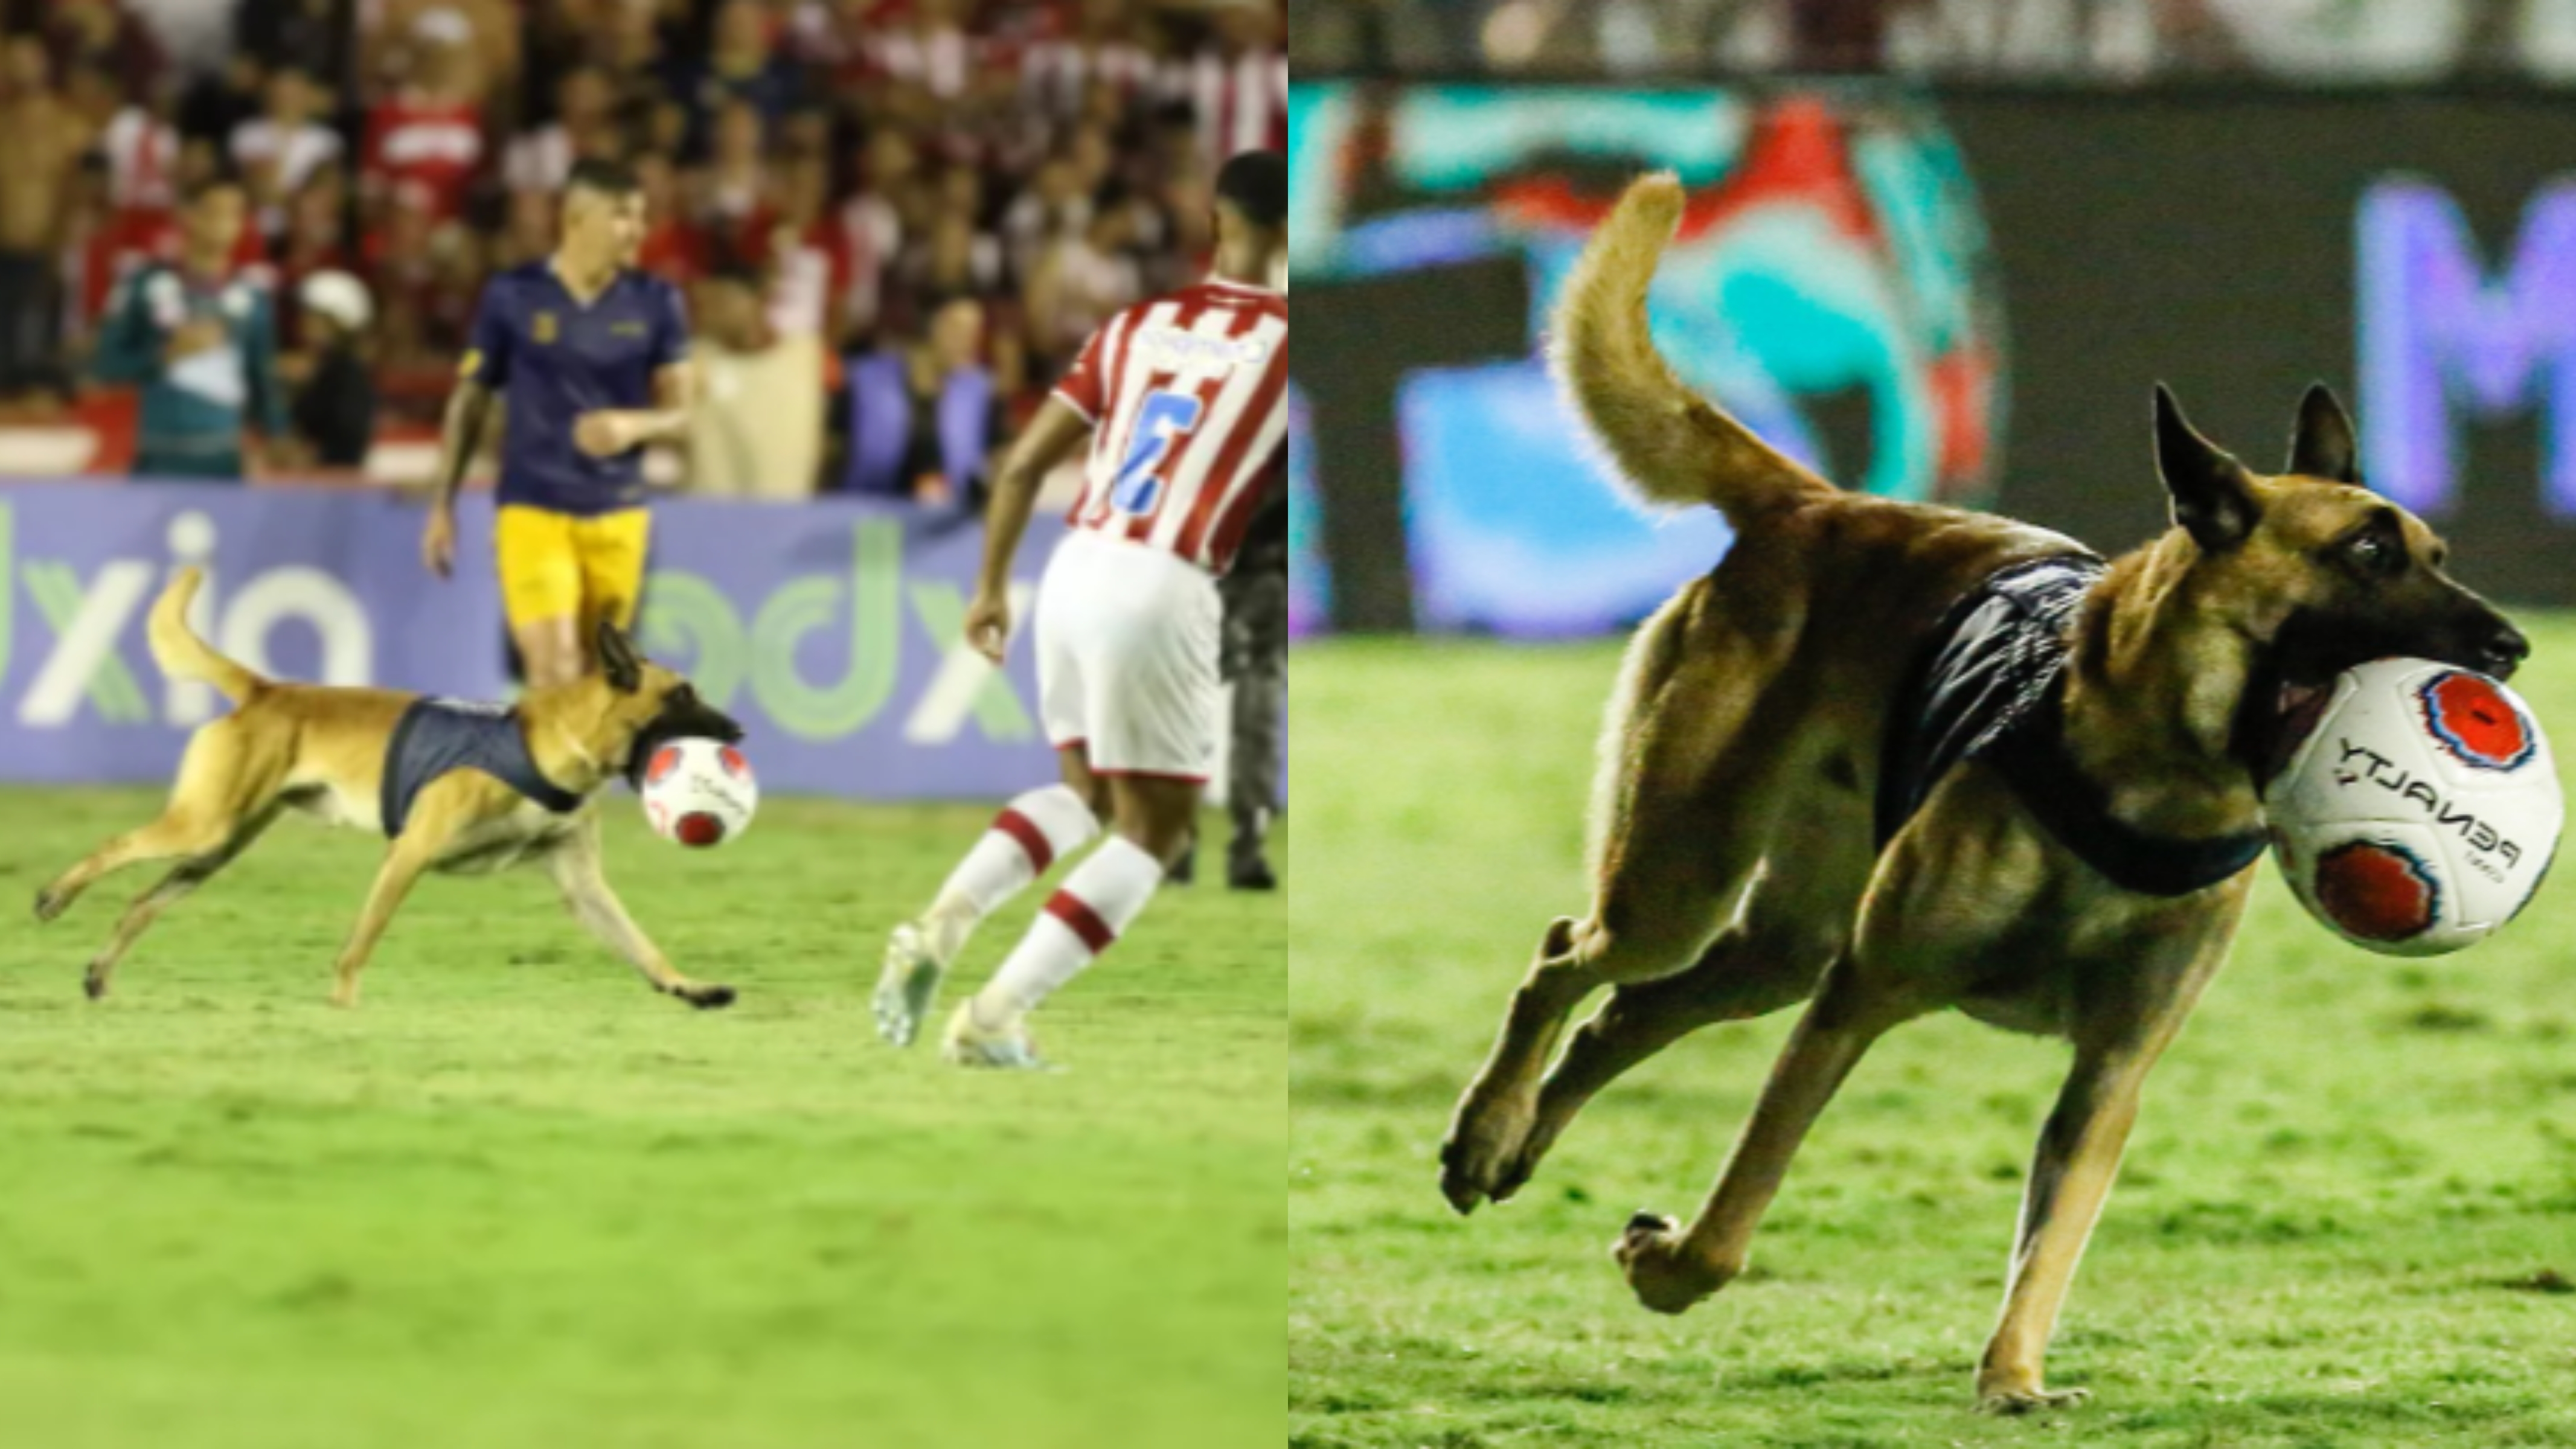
829,629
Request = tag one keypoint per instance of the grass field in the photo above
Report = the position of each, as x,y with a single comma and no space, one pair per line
2348,1216
519,1200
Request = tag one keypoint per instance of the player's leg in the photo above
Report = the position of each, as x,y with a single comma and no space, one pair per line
1035,830
541,591
1154,709
1096,905
1032,832
611,550
1256,624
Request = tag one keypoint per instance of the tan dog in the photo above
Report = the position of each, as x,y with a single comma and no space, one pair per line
324,751
1737,860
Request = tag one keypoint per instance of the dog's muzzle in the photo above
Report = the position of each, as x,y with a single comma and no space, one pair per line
688,722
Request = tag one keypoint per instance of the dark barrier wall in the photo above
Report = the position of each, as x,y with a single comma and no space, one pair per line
1964,297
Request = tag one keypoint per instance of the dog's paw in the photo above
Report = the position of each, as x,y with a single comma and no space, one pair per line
49,904
2028,1399
705,998
94,983
1660,1269
1483,1146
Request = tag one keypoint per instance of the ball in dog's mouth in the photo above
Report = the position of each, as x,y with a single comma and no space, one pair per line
2296,708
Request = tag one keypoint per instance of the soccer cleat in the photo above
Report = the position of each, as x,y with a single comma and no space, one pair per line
908,985
1008,1048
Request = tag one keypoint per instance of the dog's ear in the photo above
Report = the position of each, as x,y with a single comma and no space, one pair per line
618,660
2213,495
2324,447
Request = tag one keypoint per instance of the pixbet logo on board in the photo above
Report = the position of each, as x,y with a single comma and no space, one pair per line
89,620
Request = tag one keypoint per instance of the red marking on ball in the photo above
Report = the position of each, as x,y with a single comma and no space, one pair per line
734,763
699,828
664,761
2474,719
2377,892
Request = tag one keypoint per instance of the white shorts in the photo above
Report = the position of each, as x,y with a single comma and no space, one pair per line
1127,657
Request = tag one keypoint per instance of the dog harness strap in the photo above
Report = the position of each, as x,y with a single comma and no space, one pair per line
2034,757
1990,687
436,736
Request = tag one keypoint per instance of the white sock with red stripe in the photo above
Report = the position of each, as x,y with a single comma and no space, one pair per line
1087,913
1032,833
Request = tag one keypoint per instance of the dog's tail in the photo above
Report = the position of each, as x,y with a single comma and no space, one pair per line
182,655
1672,445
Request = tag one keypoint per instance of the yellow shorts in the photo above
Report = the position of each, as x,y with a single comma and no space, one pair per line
560,565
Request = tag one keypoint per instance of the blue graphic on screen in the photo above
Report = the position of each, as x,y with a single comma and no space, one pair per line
1831,256
2442,337
1309,587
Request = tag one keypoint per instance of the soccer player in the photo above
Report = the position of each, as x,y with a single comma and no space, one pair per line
1184,403
592,356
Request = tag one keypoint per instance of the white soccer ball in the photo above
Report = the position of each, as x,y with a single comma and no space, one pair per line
699,792
2419,811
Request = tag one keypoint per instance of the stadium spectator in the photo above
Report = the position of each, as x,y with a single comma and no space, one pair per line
399,38
809,253
1061,73
46,137
1237,86
310,244
584,125
199,339
425,139
334,413
100,35
279,150
316,37
922,421
731,193
742,66
757,429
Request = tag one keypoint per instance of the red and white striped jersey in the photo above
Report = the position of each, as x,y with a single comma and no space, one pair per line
1189,398
1241,101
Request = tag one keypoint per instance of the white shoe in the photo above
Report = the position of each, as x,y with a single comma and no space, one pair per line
908,984
1006,1048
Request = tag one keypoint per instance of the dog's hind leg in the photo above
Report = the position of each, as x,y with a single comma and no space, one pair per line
1694,760
1795,918
207,803
1669,1268
173,888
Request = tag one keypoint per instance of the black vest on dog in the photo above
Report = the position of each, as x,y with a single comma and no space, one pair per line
439,735
1991,686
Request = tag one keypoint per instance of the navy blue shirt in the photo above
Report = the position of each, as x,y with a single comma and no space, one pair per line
555,359
437,735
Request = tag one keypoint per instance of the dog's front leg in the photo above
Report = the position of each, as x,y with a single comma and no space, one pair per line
1669,1268
575,866
405,859
2119,1033
2070,1176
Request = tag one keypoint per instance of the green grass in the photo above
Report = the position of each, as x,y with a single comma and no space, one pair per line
2349,1173
516,1199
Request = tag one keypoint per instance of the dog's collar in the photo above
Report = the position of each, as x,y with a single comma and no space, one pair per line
2075,809
1990,685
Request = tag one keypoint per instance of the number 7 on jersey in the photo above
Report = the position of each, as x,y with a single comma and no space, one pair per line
1162,422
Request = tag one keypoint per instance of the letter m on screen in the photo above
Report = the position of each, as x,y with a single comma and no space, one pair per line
2440,332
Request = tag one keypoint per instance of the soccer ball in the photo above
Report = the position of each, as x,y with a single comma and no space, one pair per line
2419,809
699,792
